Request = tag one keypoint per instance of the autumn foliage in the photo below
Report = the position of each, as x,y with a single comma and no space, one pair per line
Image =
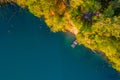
102,34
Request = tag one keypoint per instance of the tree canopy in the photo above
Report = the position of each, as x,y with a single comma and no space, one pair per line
104,32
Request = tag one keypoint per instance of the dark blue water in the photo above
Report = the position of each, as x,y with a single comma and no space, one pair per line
30,51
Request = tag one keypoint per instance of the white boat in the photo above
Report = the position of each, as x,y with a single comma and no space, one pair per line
74,44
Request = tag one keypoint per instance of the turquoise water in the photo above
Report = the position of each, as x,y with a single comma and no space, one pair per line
30,51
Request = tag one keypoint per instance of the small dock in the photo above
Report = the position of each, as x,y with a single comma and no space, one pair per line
74,44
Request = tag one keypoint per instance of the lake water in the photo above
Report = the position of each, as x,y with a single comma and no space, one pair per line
30,51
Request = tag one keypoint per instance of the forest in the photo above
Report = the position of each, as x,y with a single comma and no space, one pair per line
95,23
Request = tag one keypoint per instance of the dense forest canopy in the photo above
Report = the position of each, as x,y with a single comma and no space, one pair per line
95,23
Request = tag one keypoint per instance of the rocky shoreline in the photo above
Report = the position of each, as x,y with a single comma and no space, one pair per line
70,21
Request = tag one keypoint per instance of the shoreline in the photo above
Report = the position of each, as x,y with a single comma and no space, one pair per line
72,29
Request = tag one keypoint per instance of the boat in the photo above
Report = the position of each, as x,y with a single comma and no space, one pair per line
73,45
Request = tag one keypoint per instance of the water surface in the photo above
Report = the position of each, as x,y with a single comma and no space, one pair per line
30,51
